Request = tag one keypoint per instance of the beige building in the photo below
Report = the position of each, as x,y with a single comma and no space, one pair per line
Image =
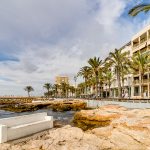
141,43
59,80
132,82
62,79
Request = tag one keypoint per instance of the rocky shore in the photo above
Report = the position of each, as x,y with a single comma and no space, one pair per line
67,105
101,117
110,128
55,105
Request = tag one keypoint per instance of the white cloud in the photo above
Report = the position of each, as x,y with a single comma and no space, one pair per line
110,11
54,37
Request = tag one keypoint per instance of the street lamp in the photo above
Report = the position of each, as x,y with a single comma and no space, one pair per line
75,80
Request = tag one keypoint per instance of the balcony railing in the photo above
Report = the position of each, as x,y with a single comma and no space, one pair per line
146,81
143,40
136,81
139,81
135,45
136,94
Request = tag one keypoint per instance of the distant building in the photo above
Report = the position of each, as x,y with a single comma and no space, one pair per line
59,80
62,79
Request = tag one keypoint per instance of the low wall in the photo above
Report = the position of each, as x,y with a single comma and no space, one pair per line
98,103
17,127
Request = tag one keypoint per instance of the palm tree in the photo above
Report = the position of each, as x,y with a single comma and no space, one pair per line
125,70
117,59
67,90
139,8
85,73
55,88
64,89
48,86
141,63
108,78
80,88
29,89
72,90
95,67
92,84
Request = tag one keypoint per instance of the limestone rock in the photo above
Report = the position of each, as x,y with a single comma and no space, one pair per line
89,119
126,130
67,105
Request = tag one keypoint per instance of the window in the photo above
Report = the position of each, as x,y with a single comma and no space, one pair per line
136,91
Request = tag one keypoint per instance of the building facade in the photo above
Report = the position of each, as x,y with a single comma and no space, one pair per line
141,43
132,82
62,79
62,82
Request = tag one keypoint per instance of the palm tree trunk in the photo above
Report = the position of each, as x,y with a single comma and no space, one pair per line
75,92
122,84
109,89
66,93
96,86
142,85
56,94
106,91
86,87
119,84
28,94
48,92
102,91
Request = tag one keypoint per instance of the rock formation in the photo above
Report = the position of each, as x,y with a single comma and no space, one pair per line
67,105
55,105
126,130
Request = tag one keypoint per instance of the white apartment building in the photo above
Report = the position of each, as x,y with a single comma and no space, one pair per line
133,87
132,82
141,43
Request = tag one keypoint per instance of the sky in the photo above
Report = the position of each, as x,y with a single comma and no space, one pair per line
40,39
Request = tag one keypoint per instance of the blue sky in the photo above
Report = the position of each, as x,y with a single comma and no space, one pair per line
41,39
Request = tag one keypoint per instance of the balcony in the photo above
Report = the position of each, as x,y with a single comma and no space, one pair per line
135,45
140,43
146,81
135,82
136,94
143,40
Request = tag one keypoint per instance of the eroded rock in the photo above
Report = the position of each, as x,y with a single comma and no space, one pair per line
127,130
67,105
55,105
89,119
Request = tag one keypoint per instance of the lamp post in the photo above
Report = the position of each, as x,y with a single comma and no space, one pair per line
75,80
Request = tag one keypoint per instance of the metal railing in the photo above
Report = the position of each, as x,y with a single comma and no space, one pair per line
140,81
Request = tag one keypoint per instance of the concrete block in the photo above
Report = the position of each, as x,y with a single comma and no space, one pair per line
3,133
21,126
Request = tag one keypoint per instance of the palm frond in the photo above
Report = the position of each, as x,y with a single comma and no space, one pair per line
139,8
